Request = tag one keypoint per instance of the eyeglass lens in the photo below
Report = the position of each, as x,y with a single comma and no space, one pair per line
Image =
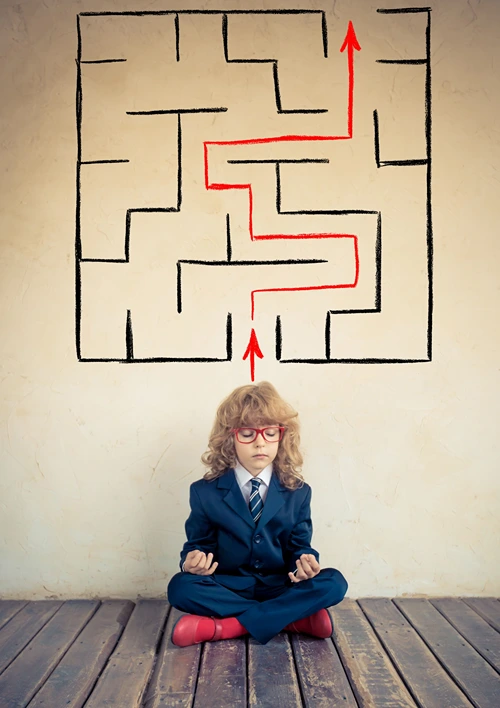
249,434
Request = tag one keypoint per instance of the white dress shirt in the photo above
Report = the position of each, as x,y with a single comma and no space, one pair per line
244,479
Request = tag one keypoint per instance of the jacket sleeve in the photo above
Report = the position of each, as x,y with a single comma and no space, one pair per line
299,541
200,531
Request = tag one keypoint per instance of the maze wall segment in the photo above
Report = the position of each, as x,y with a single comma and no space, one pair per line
115,190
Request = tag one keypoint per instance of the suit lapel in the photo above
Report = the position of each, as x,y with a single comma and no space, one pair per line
274,502
234,498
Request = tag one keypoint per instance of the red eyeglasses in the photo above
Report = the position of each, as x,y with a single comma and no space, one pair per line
273,433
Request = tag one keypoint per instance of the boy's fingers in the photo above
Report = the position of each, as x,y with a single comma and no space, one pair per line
292,578
201,560
301,574
311,561
314,564
306,567
308,557
208,570
303,563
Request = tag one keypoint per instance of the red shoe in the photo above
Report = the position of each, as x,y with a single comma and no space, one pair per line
193,629
319,624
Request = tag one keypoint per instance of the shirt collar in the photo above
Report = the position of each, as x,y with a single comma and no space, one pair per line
243,476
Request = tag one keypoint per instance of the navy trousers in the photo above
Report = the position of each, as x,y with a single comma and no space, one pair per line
262,610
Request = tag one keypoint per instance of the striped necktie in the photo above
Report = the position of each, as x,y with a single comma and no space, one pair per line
255,503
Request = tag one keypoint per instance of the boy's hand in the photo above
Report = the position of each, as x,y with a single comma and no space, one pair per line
307,566
199,563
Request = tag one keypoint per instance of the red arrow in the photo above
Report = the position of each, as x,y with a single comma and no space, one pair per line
351,42
252,351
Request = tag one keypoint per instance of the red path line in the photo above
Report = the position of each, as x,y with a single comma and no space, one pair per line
350,43
268,237
316,287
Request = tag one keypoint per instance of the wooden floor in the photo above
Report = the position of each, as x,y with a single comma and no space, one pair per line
439,653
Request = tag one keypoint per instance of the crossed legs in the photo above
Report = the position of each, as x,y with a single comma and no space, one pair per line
262,618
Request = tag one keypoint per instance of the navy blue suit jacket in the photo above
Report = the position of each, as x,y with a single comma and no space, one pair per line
220,523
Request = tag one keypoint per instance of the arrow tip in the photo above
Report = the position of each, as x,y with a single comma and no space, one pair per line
350,40
253,348
252,351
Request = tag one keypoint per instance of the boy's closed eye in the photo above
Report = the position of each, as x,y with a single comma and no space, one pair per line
270,433
246,433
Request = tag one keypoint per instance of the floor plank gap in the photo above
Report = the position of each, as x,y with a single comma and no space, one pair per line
384,653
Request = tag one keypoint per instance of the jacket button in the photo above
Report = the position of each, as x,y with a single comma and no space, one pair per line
257,564
257,539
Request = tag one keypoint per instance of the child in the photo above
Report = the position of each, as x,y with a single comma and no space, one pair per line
248,565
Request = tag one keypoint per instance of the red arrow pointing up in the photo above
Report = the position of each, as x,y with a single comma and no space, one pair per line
350,38
351,42
252,351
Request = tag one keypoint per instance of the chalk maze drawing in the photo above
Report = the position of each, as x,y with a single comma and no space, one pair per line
224,162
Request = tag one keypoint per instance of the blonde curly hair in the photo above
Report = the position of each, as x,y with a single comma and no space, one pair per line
253,405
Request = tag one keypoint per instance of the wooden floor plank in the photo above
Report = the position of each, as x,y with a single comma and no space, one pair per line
272,679
322,678
475,629
487,607
222,679
428,682
475,676
17,633
29,671
445,650
72,680
9,608
124,680
174,679
374,679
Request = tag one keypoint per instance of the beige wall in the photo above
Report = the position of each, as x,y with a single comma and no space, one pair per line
96,458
